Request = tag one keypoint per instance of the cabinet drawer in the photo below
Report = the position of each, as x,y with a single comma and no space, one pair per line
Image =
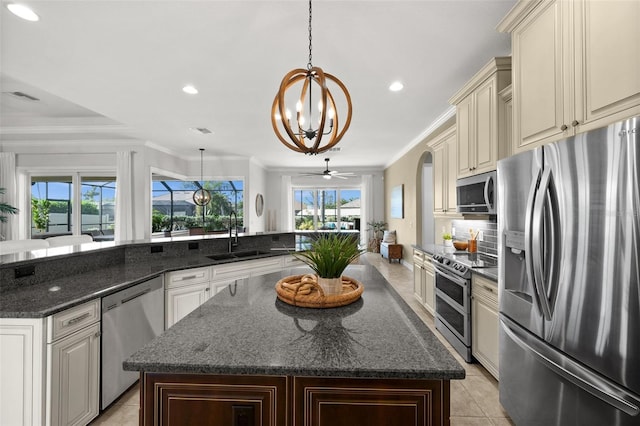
187,277
485,289
66,322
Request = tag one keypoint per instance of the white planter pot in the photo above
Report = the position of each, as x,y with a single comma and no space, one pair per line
330,286
448,243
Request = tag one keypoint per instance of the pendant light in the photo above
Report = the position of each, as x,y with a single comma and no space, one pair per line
302,136
201,196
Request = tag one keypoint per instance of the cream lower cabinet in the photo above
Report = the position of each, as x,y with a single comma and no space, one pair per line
485,323
424,280
185,290
576,66
50,368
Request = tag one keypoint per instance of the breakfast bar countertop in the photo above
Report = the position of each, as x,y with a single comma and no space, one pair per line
245,329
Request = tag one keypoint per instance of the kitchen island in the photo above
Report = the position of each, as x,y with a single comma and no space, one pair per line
245,356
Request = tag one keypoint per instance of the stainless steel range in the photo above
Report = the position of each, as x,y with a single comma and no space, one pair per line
453,296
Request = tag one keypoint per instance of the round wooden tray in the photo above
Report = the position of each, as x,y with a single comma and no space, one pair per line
309,294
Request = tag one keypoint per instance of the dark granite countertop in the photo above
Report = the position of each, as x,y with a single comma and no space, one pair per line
57,294
490,273
247,330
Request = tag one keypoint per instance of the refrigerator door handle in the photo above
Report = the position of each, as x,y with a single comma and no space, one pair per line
538,221
528,239
591,382
489,202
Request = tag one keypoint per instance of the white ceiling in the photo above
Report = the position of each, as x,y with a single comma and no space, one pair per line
110,69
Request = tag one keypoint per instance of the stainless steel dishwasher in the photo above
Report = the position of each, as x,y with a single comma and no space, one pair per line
130,319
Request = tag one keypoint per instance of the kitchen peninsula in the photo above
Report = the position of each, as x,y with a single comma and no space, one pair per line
246,356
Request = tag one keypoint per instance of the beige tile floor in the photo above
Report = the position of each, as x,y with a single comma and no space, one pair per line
474,400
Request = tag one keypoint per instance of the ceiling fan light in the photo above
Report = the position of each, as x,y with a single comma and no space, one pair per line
327,176
396,86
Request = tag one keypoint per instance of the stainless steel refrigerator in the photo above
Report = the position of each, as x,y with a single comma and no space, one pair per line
569,228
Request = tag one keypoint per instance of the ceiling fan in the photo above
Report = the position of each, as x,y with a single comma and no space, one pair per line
328,174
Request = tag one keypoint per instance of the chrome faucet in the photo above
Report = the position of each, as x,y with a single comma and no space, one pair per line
233,242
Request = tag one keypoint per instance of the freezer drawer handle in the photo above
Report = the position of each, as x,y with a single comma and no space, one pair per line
572,371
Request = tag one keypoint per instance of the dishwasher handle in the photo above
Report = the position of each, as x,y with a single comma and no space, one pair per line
135,296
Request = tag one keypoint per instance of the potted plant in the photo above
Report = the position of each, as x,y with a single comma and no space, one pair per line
40,213
447,239
329,256
378,230
5,210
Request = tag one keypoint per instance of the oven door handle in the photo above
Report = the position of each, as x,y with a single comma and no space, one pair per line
457,280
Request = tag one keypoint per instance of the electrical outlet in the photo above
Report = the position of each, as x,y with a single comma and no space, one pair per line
480,236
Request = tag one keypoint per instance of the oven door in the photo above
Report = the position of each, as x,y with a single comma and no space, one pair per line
453,304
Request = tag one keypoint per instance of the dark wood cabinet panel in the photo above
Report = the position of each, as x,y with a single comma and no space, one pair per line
370,402
200,399
207,399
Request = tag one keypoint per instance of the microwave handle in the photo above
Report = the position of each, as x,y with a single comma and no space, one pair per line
490,203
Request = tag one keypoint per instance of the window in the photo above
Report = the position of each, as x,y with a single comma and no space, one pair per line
326,209
174,209
55,208
98,205
51,207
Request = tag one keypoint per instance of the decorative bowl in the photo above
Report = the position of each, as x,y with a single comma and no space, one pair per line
460,245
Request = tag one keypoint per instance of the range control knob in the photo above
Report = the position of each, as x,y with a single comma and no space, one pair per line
446,261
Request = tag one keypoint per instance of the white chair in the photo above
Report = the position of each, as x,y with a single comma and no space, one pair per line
69,240
17,246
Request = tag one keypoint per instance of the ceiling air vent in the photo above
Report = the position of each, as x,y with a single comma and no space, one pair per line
23,96
334,149
201,130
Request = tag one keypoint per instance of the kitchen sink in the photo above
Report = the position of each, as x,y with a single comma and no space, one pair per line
237,254
222,256
249,253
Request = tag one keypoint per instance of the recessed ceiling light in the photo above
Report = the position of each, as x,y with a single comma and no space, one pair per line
23,12
396,86
190,89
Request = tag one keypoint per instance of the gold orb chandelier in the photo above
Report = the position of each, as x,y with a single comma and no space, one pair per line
201,196
302,136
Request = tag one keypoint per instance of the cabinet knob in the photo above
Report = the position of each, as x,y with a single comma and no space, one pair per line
98,334
206,289
574,123
563,127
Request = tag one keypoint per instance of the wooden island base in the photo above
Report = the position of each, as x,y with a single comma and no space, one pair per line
216,400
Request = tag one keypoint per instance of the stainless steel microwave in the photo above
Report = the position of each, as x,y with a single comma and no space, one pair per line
477,194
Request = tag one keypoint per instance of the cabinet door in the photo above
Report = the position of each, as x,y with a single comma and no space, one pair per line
74,377
486,139
417,281
465,135
182,300
451,197
428,297
610,41
538,78
439,169
22,360
485,324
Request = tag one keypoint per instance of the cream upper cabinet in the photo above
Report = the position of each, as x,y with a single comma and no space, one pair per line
443,150
576,66
478,127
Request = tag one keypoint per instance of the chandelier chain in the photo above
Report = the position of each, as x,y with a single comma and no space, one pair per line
309,66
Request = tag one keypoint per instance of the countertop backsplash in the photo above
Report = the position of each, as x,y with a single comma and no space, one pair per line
489,229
